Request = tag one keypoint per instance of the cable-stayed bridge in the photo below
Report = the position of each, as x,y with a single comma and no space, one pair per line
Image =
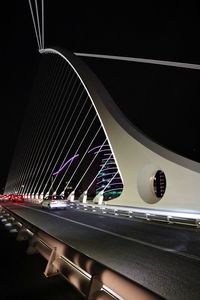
76,141
74,134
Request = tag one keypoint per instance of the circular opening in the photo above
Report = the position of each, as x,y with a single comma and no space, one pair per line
159,184
151,184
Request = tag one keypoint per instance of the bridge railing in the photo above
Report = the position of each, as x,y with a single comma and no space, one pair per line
170,217
158,215
93,280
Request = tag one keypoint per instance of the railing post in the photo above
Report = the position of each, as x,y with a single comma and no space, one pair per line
95,286
50,270
23,234
32,246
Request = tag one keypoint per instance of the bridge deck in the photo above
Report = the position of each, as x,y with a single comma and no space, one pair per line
22,275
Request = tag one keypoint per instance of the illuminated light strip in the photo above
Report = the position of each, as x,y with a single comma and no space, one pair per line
109,163
106,191
82,271
99,170
115,183
143,60
107,169
104,150
99,147
45,244
111,292
111,190
71,159
106,174
106,180
108,184
90,163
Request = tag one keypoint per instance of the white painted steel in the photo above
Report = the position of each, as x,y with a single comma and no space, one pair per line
137,157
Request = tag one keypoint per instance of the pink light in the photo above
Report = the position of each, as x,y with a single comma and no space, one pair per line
71,159
98,147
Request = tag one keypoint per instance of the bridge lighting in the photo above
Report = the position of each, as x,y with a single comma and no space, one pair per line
61,168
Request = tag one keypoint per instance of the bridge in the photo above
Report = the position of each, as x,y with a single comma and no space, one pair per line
75,141
70,114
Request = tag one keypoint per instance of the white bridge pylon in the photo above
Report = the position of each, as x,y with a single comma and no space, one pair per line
138,158
152,176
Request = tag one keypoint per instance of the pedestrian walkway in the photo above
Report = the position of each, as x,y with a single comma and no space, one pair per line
21,275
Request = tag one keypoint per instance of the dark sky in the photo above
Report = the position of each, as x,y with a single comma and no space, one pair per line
148,29
18,54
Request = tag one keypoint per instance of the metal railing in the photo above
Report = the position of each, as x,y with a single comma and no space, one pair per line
157,215
93,280
170,217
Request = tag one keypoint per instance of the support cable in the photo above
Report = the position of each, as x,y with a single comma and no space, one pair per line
42,24
90,163
109,182
73,140
45,122
38,111
34,24
77,152
60,126
83,156
51,130
32,146
142,60
60,142
99,171
38,22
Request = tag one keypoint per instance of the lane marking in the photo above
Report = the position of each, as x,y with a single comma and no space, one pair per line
119,235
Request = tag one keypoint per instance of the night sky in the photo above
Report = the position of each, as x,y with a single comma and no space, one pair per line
148,29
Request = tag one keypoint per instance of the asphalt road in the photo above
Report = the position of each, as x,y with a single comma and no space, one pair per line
160,257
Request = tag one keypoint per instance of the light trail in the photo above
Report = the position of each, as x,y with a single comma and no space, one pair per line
71,159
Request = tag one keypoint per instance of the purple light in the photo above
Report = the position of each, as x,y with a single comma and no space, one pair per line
71,159
98,147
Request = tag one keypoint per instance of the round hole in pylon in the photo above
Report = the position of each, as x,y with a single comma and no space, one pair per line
151,184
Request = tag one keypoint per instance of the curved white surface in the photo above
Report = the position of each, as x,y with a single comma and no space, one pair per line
138,158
